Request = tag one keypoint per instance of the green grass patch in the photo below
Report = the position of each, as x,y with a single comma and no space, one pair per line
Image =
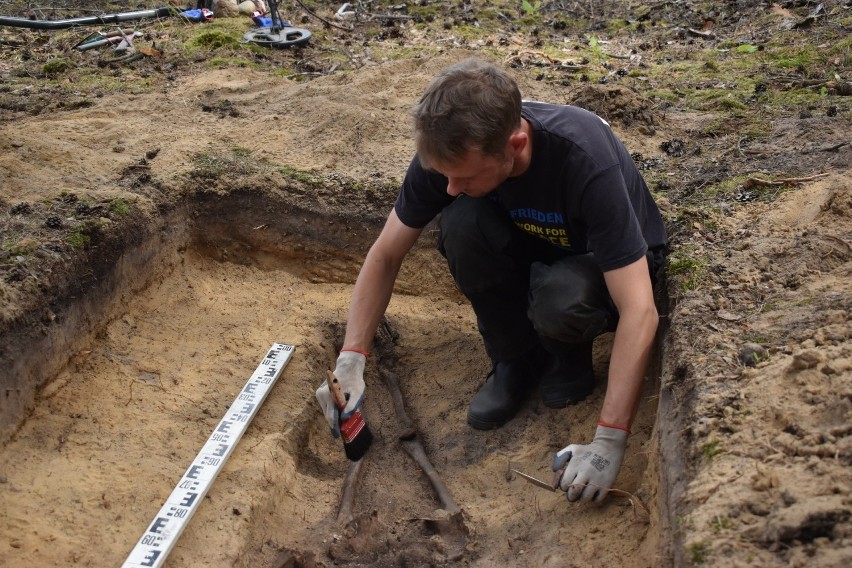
711,449
78,239
82,236
687,270
720,523
119,207
467,32
236,162
530,8
56,67
214,39
24,247
717,99
697,552
302,176
223,62
394,53
223,34
727,186
802,57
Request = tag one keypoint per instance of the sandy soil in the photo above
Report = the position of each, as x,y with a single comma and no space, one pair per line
736,459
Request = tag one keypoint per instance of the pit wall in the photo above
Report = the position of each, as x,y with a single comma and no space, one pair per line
72,310
67,318
242,224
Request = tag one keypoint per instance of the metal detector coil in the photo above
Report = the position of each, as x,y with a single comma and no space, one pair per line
283,37
279,34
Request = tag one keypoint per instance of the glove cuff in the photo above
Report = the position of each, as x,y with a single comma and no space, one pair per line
607,425
613,437
352,350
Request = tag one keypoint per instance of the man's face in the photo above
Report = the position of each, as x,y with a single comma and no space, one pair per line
476,174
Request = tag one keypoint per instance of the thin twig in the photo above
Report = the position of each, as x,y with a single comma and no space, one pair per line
632,497
323,20
752,182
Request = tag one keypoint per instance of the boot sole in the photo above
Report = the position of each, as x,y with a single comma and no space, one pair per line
480,424
564,401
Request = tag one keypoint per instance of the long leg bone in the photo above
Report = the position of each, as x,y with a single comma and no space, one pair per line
347,500
407,429
415,450
411,442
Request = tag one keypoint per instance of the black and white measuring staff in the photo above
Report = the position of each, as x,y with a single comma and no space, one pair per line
162,534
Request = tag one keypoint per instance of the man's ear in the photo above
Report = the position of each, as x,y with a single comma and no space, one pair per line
518,140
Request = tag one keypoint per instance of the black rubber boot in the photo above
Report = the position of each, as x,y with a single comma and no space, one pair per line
505,391
569,377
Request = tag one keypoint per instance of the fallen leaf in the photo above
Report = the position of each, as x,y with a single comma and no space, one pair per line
729,316
783,12
150,52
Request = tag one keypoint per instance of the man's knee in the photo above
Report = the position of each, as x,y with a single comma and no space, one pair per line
569,301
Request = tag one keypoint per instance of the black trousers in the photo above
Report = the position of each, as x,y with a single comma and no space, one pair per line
524,290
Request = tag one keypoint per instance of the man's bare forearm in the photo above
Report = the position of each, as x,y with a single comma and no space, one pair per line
374,286
631,290
631,352
370,299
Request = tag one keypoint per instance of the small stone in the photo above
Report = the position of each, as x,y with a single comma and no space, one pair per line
247,8
751,354
758,509
226,9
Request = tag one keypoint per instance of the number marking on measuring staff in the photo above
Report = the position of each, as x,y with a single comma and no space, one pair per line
162,534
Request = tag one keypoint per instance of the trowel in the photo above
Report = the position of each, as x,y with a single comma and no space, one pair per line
552,486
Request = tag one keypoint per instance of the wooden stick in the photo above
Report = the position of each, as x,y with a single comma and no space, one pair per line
752,182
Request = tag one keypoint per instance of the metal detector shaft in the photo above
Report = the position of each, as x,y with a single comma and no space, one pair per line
85,21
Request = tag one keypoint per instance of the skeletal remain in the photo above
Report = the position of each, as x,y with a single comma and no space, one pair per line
347,500
406,426
449,521
411,443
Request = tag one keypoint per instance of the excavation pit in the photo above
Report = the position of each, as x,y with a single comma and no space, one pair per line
149,358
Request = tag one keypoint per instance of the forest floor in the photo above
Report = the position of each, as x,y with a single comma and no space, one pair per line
164,221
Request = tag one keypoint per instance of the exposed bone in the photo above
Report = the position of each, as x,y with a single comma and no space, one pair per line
411,442
406,426
415,450
448,522
408,435
347,500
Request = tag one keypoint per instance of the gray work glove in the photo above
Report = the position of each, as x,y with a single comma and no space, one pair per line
350,373
591,469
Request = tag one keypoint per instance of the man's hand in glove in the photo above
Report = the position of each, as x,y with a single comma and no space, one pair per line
590,470
350,374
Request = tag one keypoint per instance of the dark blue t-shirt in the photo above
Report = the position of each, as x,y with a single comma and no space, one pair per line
581,192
